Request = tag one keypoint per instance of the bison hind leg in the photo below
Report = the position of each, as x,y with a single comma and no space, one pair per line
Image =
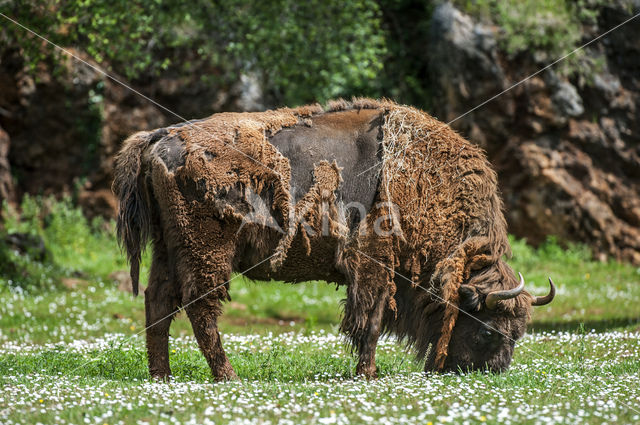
161,303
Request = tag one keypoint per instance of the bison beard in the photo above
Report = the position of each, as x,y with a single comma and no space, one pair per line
231,190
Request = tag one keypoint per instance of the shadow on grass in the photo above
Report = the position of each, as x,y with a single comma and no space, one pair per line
599,325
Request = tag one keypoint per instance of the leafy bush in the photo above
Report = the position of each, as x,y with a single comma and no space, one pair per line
74,245
21,271
406,26
302,51
308,51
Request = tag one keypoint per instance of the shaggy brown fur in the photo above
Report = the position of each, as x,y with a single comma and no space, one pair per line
437,212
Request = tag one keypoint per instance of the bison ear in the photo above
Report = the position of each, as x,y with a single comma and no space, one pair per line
469,298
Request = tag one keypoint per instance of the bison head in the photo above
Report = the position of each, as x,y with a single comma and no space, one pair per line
487,327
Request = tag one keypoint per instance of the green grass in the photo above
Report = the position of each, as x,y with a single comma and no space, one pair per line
305,378
77,355
601,295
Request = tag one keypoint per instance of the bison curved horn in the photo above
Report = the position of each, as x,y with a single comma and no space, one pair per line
493,297
547,298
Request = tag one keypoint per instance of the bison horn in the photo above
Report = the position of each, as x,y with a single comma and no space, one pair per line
493,297
547,298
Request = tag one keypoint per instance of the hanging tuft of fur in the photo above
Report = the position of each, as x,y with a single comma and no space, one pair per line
450,273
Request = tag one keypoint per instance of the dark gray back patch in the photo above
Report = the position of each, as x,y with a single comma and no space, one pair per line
172,151
351,138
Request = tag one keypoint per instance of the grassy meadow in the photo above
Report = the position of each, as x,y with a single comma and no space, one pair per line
72,346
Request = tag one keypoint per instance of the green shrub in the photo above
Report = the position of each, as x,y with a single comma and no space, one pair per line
301,51
75,246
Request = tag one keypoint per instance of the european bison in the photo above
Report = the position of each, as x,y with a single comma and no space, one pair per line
369,194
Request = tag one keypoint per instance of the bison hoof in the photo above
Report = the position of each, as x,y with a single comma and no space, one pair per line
161,377
369,372
226,375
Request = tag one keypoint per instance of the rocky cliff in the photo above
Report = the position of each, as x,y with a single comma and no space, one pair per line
567,150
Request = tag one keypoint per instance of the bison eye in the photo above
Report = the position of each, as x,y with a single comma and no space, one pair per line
485,335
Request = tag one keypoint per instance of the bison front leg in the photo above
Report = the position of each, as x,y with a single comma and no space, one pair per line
367,299
368,340
203,315
161,302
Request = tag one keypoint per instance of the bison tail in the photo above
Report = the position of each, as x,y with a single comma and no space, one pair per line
134,220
